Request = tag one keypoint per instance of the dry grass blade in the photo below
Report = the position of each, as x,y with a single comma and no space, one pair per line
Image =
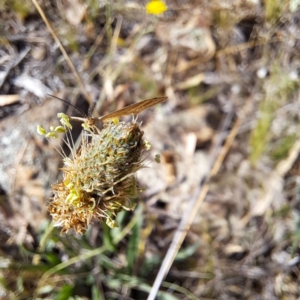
62,49
244,46
8,99
273,184
195,205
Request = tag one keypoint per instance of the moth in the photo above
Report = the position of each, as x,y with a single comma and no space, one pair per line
133,109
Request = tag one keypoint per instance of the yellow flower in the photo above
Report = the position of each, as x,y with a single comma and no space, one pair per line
156,7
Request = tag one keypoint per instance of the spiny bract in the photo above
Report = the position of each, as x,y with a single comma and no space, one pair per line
100,179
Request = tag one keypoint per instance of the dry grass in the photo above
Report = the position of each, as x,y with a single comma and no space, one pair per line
228,132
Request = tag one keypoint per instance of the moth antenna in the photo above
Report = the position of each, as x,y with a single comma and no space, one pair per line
78,109
91,109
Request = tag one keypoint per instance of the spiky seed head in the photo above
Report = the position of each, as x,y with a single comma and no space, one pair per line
100,179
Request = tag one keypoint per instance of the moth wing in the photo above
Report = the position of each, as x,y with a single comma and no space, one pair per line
134,109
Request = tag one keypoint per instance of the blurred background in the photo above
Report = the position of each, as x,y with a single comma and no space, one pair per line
230,70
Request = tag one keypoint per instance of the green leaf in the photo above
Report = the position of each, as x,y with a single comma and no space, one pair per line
65,292
107,238
133,244
96,294
107,263
188,251
52,258
167,296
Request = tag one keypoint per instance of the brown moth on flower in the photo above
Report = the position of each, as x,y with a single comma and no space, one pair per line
98,180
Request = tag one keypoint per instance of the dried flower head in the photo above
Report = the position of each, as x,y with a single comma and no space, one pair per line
98,180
